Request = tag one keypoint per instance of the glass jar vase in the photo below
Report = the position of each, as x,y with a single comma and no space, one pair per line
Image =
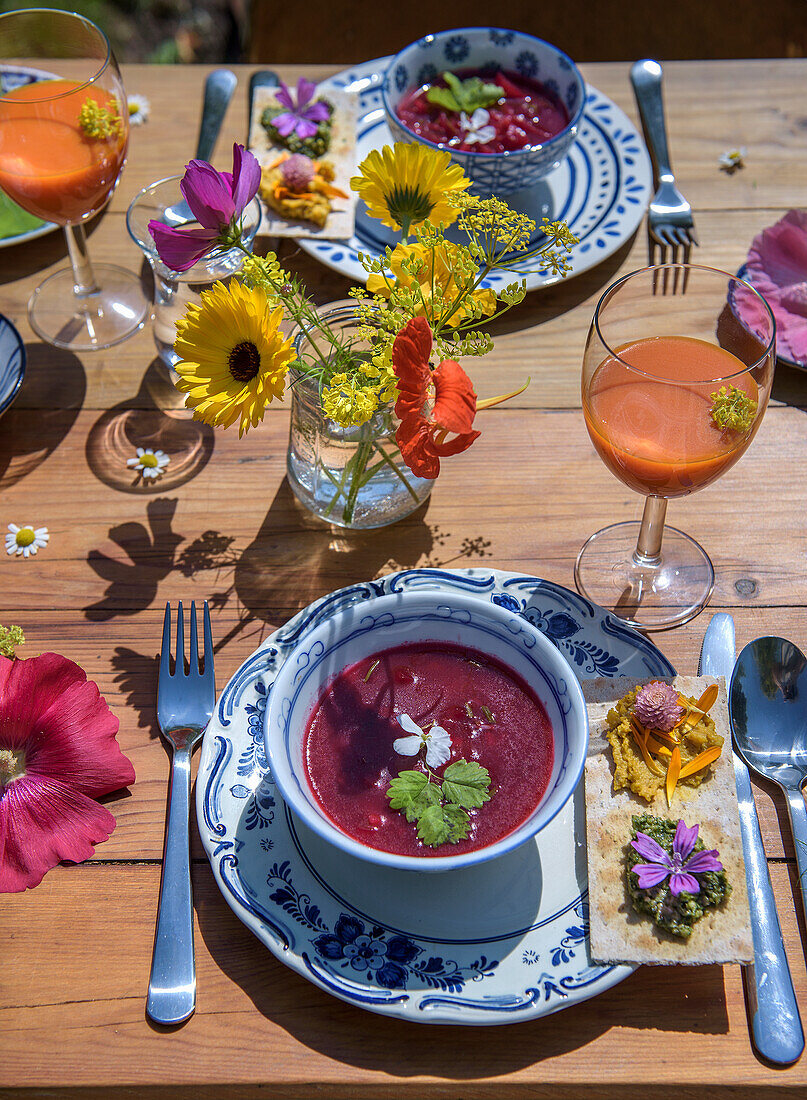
350,476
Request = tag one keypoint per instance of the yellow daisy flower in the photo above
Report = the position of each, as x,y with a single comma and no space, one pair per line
405,184
234,358
432,270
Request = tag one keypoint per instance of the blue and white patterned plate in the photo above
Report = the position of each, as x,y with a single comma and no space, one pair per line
497,943
16,76
601,189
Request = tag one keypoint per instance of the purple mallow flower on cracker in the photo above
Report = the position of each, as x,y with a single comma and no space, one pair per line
681,867
217,201
302,118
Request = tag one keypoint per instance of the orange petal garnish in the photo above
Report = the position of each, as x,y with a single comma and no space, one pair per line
701,761
278,160
648,759
673,773
654,746
708,699
331,191
489,402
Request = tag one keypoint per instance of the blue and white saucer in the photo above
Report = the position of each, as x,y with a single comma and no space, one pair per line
498,943
601,189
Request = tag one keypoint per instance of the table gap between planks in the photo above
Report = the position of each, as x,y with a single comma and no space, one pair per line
77,949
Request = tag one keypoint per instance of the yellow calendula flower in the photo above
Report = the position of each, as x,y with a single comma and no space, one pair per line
429,271
234,358
404,184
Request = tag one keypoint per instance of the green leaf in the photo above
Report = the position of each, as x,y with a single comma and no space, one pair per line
441,824
466,783
413,793
464,95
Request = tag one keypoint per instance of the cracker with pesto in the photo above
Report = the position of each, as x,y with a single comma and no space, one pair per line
619,933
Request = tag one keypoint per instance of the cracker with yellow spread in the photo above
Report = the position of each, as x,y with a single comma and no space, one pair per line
618,933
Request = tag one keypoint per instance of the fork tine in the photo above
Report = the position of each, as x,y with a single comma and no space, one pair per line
179,667
165,655
193,655
208,646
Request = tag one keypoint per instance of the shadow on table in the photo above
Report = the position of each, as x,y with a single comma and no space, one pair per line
790,386
33,257
44,410
149,421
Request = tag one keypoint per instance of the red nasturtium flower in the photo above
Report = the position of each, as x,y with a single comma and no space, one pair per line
422,435
58,752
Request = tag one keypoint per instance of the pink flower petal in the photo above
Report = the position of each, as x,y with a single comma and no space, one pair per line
317,112
180,249
245,179
285,123
682,883
780,251
305,129
703,861
283,96
650,874
42,821
50,710
684,840
208,195
305,90
650,849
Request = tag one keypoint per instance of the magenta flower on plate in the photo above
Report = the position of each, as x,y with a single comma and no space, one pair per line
58,752
681,867
217,201
303,117
777,268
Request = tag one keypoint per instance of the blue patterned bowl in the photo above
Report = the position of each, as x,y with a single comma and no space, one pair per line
362,630
490,48
12,362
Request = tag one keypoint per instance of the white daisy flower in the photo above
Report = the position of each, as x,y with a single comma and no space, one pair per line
139,108
476,127
733,159
435,738
25,540
149,463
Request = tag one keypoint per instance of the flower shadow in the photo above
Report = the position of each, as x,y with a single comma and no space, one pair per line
151,419
45,409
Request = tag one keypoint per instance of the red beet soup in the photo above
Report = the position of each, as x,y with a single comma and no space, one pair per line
527,113
350,759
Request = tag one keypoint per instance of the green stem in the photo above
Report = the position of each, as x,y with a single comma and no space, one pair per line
359,460
393,466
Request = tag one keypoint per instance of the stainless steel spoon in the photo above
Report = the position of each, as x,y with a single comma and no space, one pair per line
768,706
219,88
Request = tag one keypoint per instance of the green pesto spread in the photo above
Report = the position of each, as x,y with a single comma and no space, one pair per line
315,146
675,914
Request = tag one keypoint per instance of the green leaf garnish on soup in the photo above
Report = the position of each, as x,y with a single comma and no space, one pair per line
464,95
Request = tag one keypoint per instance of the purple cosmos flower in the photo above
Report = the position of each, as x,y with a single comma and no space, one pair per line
301,119
681,867
217,201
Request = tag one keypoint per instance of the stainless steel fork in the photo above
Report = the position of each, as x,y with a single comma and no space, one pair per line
185,701
670,224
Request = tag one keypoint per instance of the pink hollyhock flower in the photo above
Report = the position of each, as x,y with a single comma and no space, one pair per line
681,867
58,752
217,201
299,118
777,268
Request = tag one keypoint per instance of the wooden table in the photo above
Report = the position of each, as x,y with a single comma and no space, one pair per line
76,951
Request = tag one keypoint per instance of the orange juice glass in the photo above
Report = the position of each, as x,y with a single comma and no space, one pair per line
674,390
64,132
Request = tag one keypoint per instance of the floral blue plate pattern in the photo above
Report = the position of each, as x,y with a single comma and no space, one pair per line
601,189
497,943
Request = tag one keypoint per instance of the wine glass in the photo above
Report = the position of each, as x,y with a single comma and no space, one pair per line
64,131
674,389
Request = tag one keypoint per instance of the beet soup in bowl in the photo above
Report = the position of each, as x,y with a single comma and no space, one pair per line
535,121
450,667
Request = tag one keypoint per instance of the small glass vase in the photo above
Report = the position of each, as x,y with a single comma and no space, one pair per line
352,477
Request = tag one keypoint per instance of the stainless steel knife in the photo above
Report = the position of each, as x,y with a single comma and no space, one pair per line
775,1021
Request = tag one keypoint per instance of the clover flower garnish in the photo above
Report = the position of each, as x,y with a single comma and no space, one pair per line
26,539
298,172
732,409
436,739
149,463
681,867
303,117
657,706
476,127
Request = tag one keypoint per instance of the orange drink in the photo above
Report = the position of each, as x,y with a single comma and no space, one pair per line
649,414
48,163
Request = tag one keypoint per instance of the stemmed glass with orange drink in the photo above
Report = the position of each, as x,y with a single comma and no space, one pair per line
64,131
674,390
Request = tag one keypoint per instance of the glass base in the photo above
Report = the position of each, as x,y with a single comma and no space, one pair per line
117,310
645,594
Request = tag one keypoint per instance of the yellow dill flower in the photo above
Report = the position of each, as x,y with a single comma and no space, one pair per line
100,122
379,369
430,274
234,358
404,184
346,403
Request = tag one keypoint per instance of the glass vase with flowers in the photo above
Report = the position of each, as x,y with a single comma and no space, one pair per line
373,414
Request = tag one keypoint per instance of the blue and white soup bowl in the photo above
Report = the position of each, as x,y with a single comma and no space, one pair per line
363,630
490,49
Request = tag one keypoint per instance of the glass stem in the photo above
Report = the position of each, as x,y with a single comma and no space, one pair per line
651,532
84,283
